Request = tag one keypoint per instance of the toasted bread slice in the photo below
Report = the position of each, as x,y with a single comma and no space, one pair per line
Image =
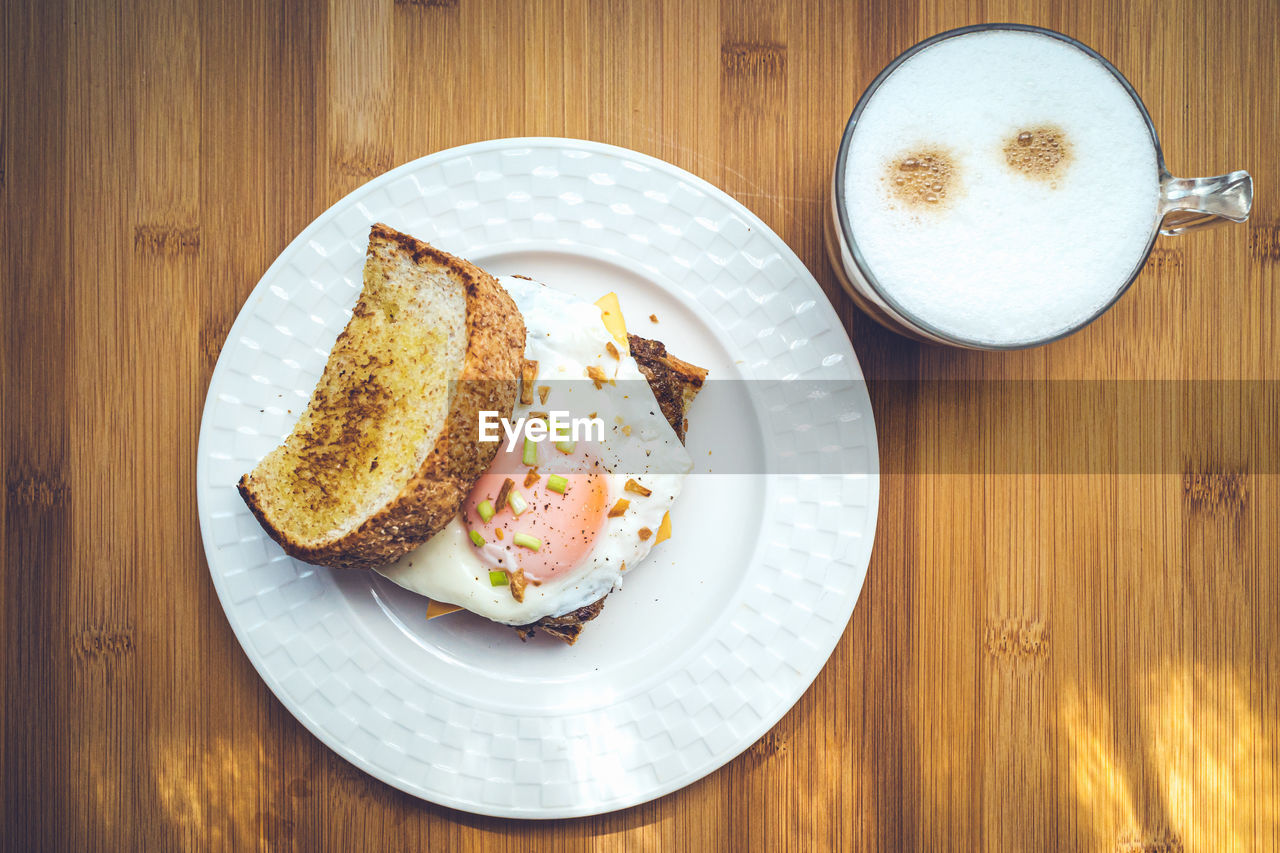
388,446
675,383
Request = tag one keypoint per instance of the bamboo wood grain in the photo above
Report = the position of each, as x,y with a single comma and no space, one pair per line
1038,660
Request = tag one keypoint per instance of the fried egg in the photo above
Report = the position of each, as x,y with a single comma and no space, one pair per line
563,540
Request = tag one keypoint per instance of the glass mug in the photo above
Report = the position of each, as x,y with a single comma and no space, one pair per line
1184,204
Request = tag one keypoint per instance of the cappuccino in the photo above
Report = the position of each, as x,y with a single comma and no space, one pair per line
1001,186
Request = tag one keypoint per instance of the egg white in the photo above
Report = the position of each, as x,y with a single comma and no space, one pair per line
565,336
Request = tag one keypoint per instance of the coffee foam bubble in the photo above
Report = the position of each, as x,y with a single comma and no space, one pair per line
1042,153
1049,186
925,178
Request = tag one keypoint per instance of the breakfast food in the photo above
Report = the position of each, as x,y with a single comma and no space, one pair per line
388,446
674,383
550,529
397,463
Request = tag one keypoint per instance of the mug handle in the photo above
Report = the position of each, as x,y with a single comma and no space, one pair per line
1190,203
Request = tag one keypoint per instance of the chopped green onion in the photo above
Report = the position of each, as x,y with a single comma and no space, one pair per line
556,483
524,540
517,503
530,451
565,446
477,538
485,509
497,578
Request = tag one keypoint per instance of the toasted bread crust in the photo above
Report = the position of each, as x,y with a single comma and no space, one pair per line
675,383
432,495
566,627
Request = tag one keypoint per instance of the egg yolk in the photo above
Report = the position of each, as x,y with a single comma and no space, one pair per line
566,524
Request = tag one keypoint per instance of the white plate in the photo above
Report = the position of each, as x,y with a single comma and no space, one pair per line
713,638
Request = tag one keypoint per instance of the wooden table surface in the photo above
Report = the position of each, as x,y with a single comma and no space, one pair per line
1040,659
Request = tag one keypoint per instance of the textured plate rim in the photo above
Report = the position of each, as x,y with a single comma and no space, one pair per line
823,652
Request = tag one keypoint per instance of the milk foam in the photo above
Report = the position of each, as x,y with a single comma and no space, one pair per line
1006,257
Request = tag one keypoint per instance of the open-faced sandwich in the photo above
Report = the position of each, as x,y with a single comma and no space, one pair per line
517,476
